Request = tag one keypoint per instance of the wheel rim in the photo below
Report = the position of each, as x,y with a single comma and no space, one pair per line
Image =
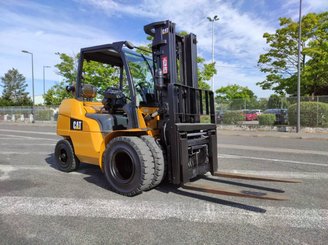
63,156
122,167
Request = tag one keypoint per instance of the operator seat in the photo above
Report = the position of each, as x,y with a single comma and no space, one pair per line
115,103
114,117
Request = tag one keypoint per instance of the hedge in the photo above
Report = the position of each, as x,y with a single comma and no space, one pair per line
266,119
205,119
313,114
43,114
233,117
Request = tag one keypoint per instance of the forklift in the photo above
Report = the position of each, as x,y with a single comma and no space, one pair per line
149,126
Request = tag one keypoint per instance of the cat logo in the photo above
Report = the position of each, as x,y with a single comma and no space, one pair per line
76,124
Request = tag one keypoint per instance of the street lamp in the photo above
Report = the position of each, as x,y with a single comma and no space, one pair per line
215,18
298,126
44,79
27,52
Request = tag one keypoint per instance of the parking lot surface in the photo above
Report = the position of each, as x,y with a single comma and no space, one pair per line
41,205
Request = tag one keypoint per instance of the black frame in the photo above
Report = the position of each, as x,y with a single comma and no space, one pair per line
96,54
181,104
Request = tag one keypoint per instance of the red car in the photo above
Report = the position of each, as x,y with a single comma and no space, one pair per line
250,115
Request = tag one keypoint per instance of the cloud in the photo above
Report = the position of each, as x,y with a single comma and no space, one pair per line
317,5
45,28
241,75
111,8
238,35
42,34
291,7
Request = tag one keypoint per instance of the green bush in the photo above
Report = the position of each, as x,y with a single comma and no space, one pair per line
313,114
43,114
266,119
233,117
205,119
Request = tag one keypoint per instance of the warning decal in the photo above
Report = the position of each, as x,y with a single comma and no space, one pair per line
164,65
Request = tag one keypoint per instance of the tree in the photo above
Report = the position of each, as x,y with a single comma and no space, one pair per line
4,102
262,103
56,94
67,68
276,101
233,92
315,72
95,73
237,96
205,72
103,75
280,61
14,86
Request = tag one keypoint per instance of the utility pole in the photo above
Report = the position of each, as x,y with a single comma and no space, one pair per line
215,18
27,52
298,127
44,79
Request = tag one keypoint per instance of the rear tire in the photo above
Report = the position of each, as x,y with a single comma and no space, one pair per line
65,158
159,164
128,165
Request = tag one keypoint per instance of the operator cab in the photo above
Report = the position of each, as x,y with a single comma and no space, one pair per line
122,81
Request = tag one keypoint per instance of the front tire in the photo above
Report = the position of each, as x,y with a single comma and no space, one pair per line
159,164
65,158
128,165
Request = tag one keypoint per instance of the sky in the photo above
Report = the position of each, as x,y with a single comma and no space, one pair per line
50,26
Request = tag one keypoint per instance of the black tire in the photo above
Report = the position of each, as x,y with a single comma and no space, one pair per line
65,158
159,164
128,165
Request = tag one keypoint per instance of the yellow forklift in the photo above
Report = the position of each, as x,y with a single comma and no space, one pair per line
147,127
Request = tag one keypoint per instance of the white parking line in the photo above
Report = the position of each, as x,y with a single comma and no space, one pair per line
6,138
27,144
271,160
155,210
272,149
27,132
24,152
7,169
282,174
15,137
12,136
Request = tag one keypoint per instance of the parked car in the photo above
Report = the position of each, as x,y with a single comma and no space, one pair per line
250,115
219,117
281,115
257,111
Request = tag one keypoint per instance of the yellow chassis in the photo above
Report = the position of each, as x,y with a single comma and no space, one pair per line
89,142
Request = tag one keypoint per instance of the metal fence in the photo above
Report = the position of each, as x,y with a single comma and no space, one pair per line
25,113
314,110
314,113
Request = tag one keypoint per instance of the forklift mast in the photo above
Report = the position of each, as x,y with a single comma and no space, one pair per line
190,146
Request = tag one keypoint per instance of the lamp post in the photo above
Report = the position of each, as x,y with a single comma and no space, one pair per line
44,79
298,127
33,99
215,18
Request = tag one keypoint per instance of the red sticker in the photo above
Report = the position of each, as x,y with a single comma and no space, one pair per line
164,65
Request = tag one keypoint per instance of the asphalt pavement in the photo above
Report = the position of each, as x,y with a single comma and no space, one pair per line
41,205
